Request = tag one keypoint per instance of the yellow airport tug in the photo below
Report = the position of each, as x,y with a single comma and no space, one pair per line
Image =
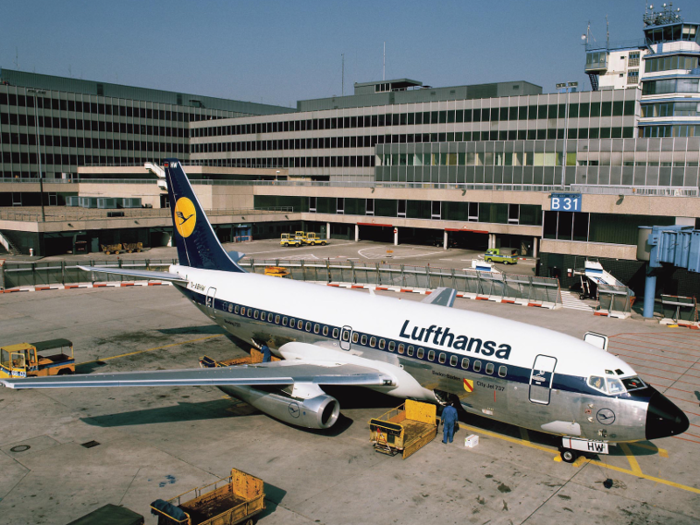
45,358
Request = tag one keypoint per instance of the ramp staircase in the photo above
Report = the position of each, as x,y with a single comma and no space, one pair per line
7,243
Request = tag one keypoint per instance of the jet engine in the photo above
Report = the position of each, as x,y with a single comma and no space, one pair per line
305,406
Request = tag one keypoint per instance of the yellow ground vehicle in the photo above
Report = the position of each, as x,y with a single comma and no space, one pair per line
405,429
45,358
276,271
313,240
111,248
229,501
288,240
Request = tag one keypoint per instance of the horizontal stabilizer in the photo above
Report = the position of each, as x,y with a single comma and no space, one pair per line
274,373
236,256
442,297
143,274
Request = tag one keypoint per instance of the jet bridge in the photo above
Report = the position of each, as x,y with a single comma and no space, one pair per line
659,245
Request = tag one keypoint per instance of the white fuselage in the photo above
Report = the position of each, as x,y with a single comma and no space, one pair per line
497,368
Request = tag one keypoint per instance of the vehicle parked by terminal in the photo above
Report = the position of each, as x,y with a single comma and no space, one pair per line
288,240
312,240
495,255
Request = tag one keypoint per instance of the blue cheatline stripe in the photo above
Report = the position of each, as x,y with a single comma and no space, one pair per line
518,374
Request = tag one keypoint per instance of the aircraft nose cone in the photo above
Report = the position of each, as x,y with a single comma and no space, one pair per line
664,418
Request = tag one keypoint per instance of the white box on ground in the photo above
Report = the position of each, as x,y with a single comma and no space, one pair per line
471,441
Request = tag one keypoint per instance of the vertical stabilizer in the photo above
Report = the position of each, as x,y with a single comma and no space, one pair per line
197,244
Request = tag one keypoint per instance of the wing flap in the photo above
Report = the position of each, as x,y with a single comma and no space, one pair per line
275,373
143,274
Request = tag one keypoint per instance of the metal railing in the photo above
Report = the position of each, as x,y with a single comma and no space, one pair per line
473,283
64,213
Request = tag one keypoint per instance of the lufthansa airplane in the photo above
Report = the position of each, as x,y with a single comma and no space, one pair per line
500,369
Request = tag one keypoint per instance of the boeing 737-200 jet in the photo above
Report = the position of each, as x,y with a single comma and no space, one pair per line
508,371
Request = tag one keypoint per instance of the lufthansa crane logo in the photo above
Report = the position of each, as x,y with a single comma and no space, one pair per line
185,216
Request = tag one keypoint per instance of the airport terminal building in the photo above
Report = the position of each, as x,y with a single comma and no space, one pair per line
474,166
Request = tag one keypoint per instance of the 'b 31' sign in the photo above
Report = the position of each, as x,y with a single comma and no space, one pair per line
566,202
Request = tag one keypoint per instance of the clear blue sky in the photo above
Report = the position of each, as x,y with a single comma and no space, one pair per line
280,52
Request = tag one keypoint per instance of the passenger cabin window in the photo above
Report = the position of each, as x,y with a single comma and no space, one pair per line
300,324
317,328
477,366
453,360
382,344
291,322
392,346
230,307
277,319
490,368
355,337
372,342
409,352
325,331
236,309
336,332
284,321
431,355
255,314
242,310
442,358
420,353
308,326
270,316
401,348
502,371
363,339
346,336
465,363
250,312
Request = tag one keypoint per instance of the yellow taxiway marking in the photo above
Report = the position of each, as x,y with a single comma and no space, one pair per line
634,471
662,451
153,349
634,465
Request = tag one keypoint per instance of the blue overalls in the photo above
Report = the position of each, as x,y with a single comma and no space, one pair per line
449,418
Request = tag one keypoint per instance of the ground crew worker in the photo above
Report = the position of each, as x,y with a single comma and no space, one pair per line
267,356
449,418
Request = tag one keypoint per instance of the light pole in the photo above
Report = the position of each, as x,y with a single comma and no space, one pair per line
38,92
567,87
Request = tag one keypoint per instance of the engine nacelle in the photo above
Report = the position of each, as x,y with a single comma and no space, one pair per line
318,412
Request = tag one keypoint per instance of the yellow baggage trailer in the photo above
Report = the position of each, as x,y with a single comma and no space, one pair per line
405,429
229,501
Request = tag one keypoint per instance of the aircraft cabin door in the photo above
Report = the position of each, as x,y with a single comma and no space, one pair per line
541,379
210,302
345,334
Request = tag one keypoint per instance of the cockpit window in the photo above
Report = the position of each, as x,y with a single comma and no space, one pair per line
633,383
597,382
615,386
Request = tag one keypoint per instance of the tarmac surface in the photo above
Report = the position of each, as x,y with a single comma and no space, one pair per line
160,442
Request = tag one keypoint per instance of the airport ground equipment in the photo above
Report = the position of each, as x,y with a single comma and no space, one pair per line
676,245
112,248
112,515
228,501
132,247
405,429
277,271
44,358
288,240
312,240
495,255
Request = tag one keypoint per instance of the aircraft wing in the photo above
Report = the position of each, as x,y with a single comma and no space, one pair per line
442,297
144,274
274,373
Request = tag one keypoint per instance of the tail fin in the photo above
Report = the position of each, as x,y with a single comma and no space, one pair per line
197,244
